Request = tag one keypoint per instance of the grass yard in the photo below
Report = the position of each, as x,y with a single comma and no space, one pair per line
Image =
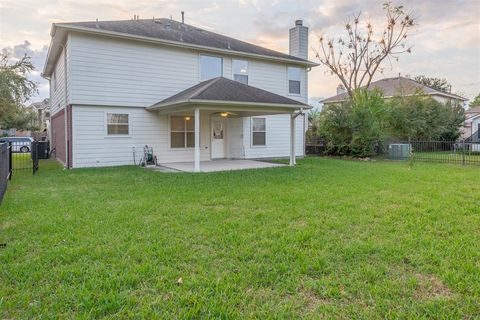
327,239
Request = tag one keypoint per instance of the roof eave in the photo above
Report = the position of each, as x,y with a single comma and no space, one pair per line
161,105
183,45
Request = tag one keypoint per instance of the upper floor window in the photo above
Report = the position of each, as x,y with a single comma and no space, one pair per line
117,124
240,71
182,132
210,67
294,80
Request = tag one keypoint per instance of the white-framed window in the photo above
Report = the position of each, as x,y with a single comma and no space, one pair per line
240,71
210,67
182,132
294,80
118,124
259,131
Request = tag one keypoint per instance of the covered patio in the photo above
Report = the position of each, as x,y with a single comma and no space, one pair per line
211,103
220,165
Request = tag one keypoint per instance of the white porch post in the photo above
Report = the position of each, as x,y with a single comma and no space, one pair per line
197,140
292,140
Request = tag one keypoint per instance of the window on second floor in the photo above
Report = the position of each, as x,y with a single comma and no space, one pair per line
240,71
210,67
294,80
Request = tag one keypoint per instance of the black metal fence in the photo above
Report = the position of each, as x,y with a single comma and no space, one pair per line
314,146
465,153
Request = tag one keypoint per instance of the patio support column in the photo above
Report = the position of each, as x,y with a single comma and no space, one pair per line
292,140
197,140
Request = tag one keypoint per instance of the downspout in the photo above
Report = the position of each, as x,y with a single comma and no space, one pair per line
67,157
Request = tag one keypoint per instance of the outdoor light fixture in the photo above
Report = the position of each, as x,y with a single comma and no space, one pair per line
224,114
187,118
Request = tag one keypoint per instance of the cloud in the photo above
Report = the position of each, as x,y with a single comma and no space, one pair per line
447,41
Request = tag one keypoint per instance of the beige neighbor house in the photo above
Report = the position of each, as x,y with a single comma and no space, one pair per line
192,95
400,86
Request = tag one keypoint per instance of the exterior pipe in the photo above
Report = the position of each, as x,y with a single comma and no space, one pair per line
67,158
197,140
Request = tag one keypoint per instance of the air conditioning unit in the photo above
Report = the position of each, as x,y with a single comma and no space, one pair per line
399,151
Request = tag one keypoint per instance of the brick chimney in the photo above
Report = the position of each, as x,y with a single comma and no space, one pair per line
299,40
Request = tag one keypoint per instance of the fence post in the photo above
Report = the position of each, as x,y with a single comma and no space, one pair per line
463,151
10,169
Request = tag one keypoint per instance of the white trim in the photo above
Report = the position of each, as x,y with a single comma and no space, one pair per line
105,127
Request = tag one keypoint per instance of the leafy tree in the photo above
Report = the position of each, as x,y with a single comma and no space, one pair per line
354,127
423,118
439,84
358,56
313,124
475,103
15,89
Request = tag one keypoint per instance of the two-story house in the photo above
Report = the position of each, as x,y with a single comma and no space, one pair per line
190,94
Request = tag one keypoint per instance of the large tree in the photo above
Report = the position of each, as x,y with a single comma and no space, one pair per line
358,56
15,89
440,84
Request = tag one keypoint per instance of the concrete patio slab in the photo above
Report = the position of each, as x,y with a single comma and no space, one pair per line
219,165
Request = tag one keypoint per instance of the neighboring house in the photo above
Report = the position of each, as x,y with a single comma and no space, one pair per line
471,125
191,94
400,86
43,110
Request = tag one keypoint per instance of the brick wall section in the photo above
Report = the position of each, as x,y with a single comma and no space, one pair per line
58,135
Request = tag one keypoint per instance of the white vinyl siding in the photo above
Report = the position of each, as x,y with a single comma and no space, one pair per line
108,71
91,148
277,137
58,88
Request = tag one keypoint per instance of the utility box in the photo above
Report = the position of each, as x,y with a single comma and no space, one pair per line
399,151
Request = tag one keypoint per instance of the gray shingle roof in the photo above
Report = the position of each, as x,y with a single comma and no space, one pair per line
396,86
171,30
223,89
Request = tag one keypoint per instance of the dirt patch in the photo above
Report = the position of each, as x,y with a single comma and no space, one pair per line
430,287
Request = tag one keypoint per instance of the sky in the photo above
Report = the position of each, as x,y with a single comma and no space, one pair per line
446,41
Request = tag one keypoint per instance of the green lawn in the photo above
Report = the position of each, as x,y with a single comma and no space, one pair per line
327,239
